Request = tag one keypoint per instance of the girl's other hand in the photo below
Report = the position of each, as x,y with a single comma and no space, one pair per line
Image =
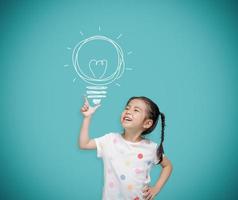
149,193
88,110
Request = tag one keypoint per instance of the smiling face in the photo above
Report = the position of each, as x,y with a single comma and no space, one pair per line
134,116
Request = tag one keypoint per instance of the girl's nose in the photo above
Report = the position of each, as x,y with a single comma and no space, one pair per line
128,112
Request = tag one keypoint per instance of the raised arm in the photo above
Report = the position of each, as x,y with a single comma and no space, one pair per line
84,140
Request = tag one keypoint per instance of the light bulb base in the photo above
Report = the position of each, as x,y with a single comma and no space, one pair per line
96,93
96,101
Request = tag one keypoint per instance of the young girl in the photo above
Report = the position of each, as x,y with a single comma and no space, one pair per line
128,157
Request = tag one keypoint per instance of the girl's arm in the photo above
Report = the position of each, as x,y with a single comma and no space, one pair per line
151,192
167,169
84,141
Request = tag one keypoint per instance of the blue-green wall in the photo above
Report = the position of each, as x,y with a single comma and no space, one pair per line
184,57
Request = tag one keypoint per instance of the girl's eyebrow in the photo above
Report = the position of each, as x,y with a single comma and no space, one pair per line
138,107
135,107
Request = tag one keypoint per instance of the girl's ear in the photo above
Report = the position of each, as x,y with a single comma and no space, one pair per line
148,123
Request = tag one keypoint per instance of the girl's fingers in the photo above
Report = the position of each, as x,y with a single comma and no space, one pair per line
146,194
85,106
86,100
149,197
83,109
145,188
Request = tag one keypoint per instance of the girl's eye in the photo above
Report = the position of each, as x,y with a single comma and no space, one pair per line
137,110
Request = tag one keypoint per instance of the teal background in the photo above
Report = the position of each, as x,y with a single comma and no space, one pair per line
184,57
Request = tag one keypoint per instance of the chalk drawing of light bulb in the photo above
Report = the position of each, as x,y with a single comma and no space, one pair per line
99,61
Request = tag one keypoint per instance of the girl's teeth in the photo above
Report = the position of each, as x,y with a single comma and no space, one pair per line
127,119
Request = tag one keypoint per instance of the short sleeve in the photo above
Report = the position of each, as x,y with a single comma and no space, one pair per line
155,158
101,143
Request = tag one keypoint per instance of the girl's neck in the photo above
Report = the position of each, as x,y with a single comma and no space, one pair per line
132,136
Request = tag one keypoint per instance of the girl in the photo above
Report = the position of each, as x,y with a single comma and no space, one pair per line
128,157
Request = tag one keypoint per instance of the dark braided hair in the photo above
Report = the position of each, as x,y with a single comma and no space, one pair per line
153,114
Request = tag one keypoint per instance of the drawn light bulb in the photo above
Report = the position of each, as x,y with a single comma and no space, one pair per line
98,60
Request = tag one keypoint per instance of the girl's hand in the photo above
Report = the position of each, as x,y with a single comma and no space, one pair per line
149,192
88,110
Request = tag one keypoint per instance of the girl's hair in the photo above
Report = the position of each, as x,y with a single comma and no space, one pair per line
153,113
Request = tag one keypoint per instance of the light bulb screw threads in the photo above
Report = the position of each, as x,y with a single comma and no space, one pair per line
96,93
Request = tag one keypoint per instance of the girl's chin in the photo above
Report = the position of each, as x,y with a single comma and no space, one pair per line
124,125
127,125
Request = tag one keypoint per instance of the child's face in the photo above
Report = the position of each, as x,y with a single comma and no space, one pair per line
135,116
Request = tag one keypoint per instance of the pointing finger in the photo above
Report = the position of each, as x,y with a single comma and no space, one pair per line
86,100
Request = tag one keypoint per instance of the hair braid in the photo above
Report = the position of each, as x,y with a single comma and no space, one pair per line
160,150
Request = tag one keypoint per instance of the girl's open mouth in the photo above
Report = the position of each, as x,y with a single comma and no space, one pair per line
127,119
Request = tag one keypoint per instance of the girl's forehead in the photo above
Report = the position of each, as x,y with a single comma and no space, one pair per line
137,102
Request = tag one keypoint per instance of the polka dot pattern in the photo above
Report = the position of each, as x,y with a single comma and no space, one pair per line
140,156
130,187
123,177
149,162
138,171
115,140
111,184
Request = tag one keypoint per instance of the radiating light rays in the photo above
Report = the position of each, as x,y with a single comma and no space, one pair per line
119,36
